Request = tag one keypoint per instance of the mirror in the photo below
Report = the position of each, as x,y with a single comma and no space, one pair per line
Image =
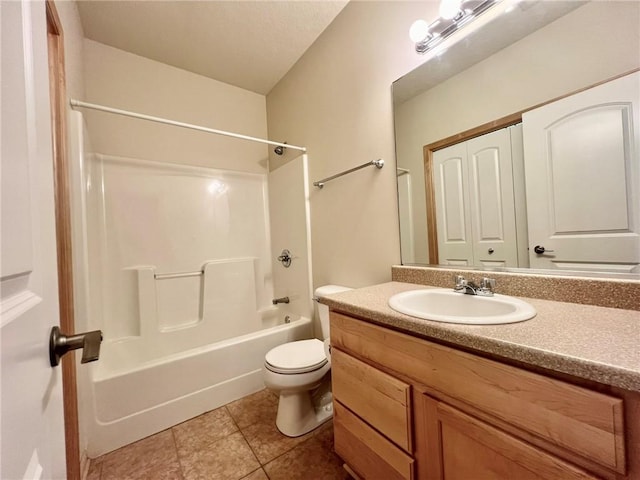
535,54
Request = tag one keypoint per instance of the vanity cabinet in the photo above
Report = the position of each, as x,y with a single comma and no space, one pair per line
414,409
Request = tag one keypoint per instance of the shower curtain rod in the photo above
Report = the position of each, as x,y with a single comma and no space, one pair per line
142,116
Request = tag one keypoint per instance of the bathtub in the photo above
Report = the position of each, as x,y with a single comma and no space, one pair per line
132,402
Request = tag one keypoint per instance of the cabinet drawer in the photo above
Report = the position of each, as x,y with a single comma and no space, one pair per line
379,399
578,420
368,453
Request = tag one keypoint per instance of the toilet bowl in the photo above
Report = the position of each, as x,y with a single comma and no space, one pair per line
300,372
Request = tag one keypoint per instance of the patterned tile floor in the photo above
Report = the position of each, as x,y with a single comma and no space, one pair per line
237,441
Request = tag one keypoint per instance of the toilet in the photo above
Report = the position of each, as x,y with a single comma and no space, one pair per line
299,371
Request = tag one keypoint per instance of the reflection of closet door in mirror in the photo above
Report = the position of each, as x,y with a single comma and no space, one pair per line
583,179
453,219
491,202
474,197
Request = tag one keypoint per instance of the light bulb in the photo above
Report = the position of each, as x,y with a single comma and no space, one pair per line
419,31
449,8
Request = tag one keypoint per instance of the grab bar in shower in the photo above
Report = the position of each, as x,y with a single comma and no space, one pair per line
166,276
378,163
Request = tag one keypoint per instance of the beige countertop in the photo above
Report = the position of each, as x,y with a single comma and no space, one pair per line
591,342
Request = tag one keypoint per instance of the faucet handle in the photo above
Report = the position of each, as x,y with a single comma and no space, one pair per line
488,284
460,282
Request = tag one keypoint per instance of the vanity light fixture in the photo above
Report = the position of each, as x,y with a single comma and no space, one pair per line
449,9
454,14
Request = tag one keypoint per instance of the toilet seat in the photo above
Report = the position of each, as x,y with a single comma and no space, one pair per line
303,356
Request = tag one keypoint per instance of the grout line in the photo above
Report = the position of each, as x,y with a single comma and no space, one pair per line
175,445
251,448
231,416
313,434
254,471
244,437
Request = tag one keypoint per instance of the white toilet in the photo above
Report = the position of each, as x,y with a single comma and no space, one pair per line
299,371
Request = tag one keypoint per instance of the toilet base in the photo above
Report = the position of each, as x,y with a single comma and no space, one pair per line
302,412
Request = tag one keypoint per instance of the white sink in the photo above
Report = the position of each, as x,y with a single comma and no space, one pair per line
442,305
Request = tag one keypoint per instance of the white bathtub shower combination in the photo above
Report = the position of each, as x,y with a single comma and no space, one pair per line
178,265
140,399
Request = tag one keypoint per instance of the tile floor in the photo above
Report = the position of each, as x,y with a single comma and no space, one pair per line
236,441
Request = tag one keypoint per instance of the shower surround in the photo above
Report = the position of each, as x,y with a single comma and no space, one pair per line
179,273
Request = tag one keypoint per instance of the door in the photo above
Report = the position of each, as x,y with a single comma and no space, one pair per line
32,430
583,179
474,197
453,220
463,447
492,208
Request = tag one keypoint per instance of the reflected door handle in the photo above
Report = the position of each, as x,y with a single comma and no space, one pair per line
59,344
539,249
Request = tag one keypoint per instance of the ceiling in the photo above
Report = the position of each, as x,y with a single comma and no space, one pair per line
249,44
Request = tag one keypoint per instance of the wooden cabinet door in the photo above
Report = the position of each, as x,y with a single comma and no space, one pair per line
463,447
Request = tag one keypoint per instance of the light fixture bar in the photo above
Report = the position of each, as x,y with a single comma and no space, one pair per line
442,28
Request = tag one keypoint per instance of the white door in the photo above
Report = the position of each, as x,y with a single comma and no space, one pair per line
491,205
32,429
453,220
583,179
474,196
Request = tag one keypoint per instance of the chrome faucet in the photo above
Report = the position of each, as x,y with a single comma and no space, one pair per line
276,301
464,286
470,288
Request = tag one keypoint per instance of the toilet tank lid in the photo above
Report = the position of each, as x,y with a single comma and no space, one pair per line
329,289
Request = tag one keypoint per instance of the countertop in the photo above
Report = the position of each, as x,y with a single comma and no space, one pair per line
590,342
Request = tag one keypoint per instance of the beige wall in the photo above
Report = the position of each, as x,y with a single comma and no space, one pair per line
126,81
337,102
591,44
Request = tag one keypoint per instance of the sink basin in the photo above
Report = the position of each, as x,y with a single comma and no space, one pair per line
442,305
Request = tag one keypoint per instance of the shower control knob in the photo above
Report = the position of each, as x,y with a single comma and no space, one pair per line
285,258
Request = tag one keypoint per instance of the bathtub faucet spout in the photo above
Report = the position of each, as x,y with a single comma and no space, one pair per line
276,301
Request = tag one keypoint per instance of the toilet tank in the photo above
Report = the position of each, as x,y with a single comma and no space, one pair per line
323,310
